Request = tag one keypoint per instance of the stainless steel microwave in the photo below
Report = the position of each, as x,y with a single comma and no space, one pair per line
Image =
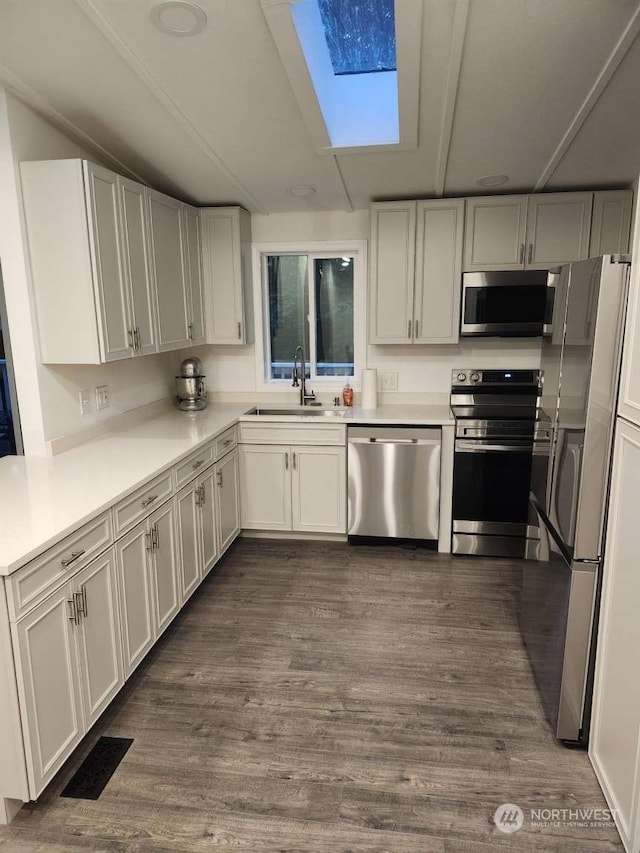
507,303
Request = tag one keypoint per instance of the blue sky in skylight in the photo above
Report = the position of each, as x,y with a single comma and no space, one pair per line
360,35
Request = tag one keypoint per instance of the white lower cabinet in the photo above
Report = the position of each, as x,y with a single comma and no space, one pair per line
68,665
293,488
227,500
197,540
149,581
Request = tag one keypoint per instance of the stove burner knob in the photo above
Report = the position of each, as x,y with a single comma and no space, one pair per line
475,377
461,377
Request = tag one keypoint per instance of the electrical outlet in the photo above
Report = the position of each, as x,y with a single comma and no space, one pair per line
102,397
85,401
387,380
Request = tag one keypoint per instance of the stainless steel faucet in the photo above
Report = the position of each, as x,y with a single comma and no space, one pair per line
300,380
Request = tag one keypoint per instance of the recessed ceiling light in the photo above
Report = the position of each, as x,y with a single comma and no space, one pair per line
178,18
303,191
492,180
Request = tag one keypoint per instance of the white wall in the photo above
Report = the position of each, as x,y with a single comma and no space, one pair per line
421,369
47,395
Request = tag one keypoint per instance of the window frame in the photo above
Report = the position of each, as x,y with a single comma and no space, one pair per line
313,250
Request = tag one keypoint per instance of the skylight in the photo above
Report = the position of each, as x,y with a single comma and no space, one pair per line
344,42
360,34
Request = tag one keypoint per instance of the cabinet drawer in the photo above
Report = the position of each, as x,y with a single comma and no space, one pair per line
31,584
277,433
193,465
225,442
141,503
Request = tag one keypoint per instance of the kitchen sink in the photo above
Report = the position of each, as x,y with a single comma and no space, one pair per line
307,412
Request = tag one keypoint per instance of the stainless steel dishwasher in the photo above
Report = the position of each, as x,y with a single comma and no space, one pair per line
394,482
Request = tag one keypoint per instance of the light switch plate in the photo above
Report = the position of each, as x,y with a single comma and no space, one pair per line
85,401
387,380
102,397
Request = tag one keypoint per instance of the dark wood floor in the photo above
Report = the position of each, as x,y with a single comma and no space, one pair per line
320,697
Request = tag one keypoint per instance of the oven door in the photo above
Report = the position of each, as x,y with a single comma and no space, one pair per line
491,482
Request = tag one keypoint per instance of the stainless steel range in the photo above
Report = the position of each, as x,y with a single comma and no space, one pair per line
499,432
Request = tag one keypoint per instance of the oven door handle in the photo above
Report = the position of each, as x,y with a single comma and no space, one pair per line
485,447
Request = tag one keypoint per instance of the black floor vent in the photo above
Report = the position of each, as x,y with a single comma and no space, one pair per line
98,767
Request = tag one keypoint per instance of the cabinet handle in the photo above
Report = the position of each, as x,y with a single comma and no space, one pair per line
149,500
203,495
155,536
75,555
227,442
132,344
286,461
417,325
81,601
197,463
239,331
73,617
521,258
149,538
294,461
190,328
530,255
409,329
219,478
136,338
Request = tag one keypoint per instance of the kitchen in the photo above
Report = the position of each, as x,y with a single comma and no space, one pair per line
414,373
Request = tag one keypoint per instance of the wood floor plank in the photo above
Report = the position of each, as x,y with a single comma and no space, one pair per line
322,698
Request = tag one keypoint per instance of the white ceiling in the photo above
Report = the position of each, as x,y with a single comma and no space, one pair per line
546,91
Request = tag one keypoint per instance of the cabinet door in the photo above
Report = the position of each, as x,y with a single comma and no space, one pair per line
189,538
228,500
208,522
103,210
99,635
137,262
168,272
193,269
558,227
629,399
610,223
222,271
265,487
495,233
136,600
49,686
616,711
393,241
438,271
319,489
164,566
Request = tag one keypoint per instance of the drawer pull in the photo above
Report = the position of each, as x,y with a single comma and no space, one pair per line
227,442
198,463
75,555
149,500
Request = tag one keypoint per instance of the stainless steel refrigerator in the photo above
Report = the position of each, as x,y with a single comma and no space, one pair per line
569,487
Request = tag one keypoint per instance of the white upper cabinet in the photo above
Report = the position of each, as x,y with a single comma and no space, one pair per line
527,232
128,259
611,222
135,244
107,259
193,273
558,229
495,233
392,271
226,265
172,301
440,226
416,260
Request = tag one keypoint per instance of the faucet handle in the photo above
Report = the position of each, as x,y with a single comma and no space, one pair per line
295,382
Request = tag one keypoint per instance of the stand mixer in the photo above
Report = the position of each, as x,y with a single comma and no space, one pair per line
191,392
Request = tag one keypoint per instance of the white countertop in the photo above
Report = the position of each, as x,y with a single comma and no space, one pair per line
42,499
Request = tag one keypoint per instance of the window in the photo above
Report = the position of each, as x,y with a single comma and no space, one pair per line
309,301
